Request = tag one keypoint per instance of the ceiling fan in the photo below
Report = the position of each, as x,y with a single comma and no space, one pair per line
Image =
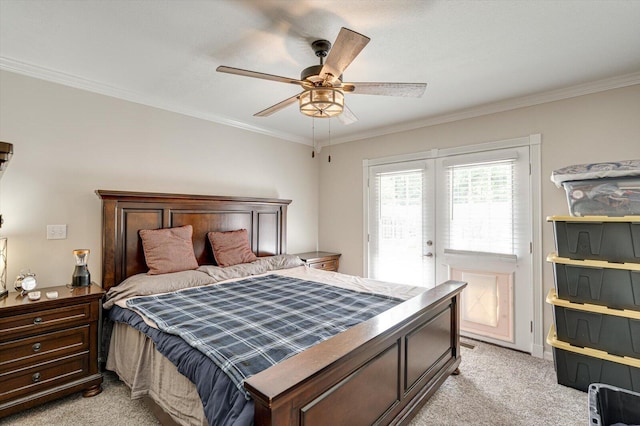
323,88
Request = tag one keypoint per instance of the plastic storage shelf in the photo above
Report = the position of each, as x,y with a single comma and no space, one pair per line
610,405
614,331
616,285
611,239
580,367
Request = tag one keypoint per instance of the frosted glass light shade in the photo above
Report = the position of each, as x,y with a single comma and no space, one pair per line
322,102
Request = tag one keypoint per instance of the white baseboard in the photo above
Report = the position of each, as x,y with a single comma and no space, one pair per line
537,351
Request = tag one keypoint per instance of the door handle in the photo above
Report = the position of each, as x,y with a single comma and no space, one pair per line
429,254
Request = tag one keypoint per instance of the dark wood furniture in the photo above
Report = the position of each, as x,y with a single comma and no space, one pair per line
321,260
125,213
378,372
49,347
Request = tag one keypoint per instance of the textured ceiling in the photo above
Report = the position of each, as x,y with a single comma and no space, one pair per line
475,56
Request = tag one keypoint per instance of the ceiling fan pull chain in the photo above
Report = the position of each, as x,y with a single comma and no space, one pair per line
329,140
313,137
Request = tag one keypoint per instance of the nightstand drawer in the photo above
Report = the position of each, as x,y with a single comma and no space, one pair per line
39,348
44,320
43,376
328,265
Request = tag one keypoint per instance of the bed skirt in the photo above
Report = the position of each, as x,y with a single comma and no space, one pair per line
134,358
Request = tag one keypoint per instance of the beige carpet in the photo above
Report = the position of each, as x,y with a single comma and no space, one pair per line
496,386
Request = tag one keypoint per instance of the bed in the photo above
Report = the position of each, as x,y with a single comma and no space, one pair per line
380,371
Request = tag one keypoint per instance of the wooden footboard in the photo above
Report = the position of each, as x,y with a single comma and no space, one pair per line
378,372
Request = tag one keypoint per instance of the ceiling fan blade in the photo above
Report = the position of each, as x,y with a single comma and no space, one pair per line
260,75
410,90
277,107
347,46
347,117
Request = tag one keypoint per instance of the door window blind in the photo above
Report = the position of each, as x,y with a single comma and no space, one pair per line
481,207
396,224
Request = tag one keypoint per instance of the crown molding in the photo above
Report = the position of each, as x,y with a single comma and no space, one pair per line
77,82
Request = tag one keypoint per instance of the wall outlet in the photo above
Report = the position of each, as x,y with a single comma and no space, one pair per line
56,232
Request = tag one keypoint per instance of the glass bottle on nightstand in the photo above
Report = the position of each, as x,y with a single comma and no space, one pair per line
81,276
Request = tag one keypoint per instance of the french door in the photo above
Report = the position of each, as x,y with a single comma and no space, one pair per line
484,238
401,241
464,217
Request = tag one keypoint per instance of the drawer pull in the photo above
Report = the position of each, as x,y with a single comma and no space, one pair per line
35,378
36,347
37,320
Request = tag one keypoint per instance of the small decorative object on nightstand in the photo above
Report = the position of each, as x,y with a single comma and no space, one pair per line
49,346
321,260
81,276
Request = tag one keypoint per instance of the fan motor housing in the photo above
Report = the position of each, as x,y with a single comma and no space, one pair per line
312,74
311,71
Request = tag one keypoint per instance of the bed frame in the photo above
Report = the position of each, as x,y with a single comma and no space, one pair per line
378,372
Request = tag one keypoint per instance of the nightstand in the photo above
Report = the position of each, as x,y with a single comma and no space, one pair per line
321,260
49,347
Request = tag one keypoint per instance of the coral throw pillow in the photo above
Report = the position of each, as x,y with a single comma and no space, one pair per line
231,248
168,250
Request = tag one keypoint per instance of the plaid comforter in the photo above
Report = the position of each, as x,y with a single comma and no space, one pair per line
249,325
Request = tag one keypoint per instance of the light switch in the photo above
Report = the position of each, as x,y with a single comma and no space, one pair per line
56,232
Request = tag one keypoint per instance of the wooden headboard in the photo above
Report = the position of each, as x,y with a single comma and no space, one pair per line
125,213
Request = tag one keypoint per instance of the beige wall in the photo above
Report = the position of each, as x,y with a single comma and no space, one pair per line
591,128
69,142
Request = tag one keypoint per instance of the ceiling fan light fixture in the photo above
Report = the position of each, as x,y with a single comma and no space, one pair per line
322,102
323,86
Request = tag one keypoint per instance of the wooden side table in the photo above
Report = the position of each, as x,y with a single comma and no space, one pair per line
49,347
321,260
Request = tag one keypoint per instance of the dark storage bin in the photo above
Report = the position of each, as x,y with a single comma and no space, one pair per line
598,238
614,331
610,405
616,285
579,367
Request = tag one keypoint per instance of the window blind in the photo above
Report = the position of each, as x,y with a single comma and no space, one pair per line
481,207
396,223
